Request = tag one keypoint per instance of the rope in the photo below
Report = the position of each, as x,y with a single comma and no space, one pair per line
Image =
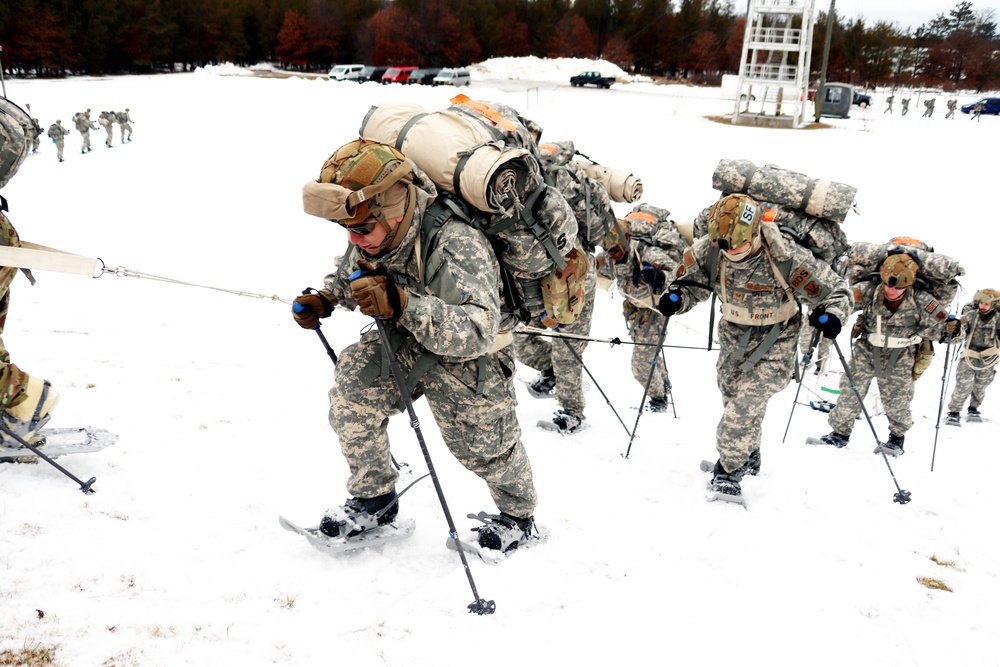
122,272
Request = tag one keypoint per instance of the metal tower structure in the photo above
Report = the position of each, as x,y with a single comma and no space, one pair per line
774,68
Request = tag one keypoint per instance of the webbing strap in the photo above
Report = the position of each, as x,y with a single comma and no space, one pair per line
406,128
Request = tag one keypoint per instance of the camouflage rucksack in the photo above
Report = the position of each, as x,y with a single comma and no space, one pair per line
589,199
938,274
482,153
15,128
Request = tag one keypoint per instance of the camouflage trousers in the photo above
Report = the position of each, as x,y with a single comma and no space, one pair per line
969,381
481,431
644,327
563,355
895,385
86,141
745,393
60,145
111,134
12,378
125,127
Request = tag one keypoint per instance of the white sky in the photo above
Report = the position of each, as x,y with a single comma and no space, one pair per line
907,13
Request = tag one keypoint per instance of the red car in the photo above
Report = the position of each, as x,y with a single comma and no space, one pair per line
397,74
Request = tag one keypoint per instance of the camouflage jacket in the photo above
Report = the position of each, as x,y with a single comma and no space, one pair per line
981,331
752,287
920,317
589,199
457,314
57,132
8,237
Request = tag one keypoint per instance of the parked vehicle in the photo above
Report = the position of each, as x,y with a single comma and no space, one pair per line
423,76
346,72
862,100
397,74
372,73
991,105
452,77
592,79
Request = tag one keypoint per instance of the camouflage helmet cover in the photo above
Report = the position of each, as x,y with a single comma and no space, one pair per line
899,271
987,296
15,128
733,221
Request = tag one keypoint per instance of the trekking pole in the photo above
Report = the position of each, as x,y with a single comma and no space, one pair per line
594,380
479,606
902,497
645,390
944,376
298,308
669,387
806,360
86,487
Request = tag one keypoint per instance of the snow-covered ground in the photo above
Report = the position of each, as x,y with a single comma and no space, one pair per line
220,403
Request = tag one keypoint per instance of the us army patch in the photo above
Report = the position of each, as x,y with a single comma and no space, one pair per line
812,289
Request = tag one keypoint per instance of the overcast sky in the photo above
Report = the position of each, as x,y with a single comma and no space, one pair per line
906,13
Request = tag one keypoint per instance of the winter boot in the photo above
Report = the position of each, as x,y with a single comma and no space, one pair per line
727,483
504,533
752,465
953,419
894,447
29,411
543,386
659,404
836,439
357,515
566,423
973,415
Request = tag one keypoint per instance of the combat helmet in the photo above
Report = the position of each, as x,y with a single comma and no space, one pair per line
733,221
899,271
15,128
988,297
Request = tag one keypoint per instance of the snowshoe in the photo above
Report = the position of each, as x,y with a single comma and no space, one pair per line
502,532
953,419
564,423
836,439
543,386
893,448
56,442
725,486
358,515
399,529
659,404
973,415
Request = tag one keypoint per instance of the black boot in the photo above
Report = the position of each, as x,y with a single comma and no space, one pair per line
836,439
894,446
357,515
726,482
505,533
543,386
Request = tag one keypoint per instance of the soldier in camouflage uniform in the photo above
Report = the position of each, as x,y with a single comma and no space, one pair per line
26,401
977,367
929,107
951,109
440,302
888,102
761,278
895,319
639,265
906,106
124,120
106,120
84,125
58,134
561,361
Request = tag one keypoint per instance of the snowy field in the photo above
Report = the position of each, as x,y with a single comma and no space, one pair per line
219,400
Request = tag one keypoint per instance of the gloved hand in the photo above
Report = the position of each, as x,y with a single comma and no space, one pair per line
652,276
309,308
951,329
376,291
669,303
827,323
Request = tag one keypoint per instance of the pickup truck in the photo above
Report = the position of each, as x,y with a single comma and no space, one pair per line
593,78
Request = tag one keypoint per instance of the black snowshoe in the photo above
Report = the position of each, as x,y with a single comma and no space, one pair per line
836,439
564,423
543,386
504,533
953,419
725,486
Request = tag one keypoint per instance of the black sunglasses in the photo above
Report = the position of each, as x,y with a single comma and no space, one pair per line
363,229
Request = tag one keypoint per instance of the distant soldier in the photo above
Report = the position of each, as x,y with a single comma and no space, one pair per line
84,125
977,367
123,122
57,133
889,101
107,121
929,108
951,109
906,105
977,110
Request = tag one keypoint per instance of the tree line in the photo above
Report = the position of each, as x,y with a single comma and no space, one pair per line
691,40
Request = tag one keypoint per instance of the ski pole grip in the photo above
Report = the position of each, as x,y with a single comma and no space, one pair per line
822,319
298,307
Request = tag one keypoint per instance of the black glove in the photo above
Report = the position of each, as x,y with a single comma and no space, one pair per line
828,323
652,276
309,308
670,303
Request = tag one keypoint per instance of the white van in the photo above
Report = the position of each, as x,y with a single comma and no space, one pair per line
452,77
346,72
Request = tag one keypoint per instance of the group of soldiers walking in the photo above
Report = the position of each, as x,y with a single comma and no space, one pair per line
84,124
977,109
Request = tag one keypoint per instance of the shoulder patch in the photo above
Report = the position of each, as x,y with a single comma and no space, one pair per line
857,295
812,289
932,306
799,278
